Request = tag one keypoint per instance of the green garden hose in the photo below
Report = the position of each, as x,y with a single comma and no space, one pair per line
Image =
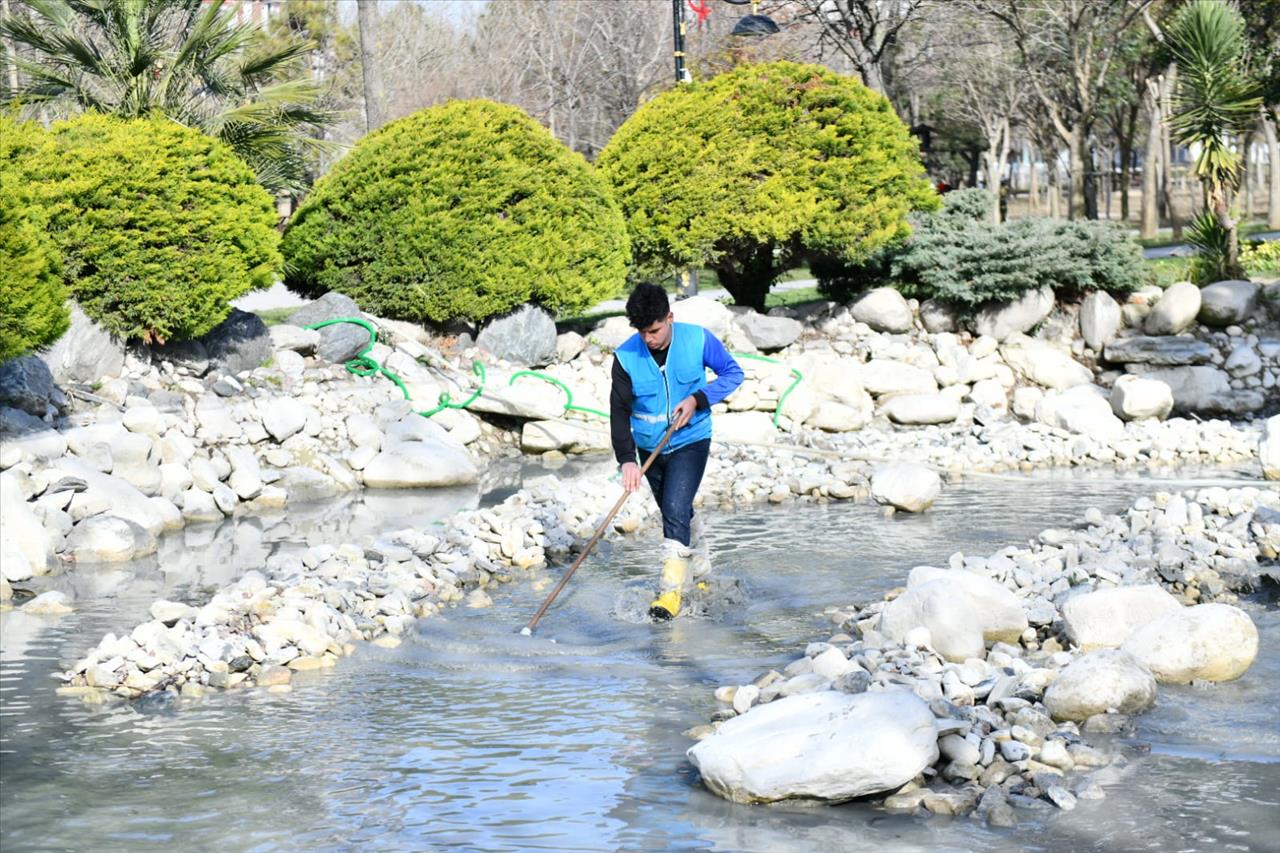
364,365
777,412
568,406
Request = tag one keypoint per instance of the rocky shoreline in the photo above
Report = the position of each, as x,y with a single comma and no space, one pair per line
988,676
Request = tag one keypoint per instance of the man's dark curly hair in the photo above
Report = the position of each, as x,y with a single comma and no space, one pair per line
646,305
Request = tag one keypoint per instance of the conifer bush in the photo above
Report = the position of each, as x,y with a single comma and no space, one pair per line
957,255
32,297
158,227
463,210
760,169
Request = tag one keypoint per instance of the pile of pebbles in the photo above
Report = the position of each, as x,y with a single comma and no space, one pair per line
1107,610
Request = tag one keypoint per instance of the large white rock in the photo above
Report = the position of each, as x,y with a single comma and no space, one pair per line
704,312
1199,388
1009,318
1269,448
414,464
838,378
1084,409
1209,642
1043,364
569,436
961,610
1100,319
611,332
831,416
826,745
107,495
1175,311
525,399
883,309
1243,361
21,531
939,316
1225,303
109,539
905,485
882,376
743,428
283,417
85,353
1134,397
921,408
1105,618
768,332
1110,679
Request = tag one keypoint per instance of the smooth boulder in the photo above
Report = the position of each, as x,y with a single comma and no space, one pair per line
1226,303
1176,310
1104,618
912,409
1021,315
1100,319
769,333
1166,351
1044,364
526,335
1101,681
1269,449
1207,642
906,486
826,746
961,610
884,310
1134,397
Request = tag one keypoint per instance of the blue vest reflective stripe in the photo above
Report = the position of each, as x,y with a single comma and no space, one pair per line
656,392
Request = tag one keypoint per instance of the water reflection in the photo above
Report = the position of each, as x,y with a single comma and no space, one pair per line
472,736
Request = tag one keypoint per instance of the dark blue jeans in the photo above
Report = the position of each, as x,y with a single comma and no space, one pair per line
674,478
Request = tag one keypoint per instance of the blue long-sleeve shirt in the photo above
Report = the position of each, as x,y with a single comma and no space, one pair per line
728,373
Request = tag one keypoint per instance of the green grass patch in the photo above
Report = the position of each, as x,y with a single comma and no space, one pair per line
1166,271
276,316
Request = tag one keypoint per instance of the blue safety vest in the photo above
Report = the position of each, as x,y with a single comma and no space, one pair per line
656,391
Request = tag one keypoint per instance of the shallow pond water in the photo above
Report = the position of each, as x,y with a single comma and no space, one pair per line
472,736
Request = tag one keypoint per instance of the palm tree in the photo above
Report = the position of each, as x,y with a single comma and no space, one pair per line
1215,103
186,59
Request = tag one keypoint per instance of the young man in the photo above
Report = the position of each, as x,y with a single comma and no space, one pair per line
660,379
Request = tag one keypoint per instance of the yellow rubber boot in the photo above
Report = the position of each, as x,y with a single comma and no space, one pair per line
675,573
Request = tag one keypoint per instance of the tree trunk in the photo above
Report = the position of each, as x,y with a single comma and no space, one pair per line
1221,211
1033,179
747,271
1169,82
1075,154
1269,123
1151,164
374,90
1055,188
991,166
1126,163
872,77
1246,178
10,54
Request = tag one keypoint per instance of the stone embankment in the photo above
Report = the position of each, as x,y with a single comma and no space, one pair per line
975,686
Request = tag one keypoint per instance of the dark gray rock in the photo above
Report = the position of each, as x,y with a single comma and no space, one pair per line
1163,350
527,335
1225,302
341,341
85,353
240,342
26,383
190,355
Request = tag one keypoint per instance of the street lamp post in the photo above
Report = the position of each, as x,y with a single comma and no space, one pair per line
753,24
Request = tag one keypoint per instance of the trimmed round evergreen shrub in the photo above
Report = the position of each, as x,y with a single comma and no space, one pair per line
969,263
158,226
762,168
463,210
32,298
